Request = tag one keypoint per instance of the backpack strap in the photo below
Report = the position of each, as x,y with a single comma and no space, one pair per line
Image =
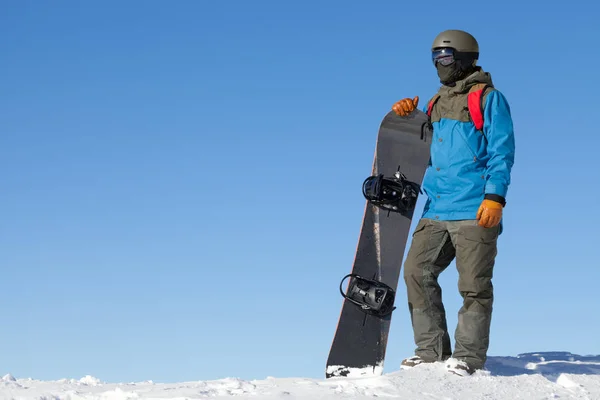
431,103
475,101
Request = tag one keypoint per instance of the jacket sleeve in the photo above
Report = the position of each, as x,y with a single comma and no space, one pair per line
498,129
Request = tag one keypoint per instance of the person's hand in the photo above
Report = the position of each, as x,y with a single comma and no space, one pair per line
405,106
489,213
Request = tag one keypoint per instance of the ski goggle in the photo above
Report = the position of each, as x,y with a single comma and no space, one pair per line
444,56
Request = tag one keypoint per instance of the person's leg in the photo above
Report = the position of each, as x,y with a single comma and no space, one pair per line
476,249
431,251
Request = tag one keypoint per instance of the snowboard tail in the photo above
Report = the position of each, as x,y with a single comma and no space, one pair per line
401,158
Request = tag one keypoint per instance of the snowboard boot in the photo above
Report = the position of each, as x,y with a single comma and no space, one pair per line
413,362
459,367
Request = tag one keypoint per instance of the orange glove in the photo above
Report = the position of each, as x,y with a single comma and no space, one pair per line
405,106
489,213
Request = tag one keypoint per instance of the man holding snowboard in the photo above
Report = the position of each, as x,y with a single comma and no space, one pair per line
466,183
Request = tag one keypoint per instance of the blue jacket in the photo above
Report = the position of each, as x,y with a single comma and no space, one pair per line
465,164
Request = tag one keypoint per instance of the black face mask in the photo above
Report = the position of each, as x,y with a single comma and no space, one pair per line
454,72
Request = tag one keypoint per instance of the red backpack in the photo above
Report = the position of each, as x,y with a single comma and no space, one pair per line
475,100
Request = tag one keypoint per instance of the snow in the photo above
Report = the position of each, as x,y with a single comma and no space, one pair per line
340,370
531,376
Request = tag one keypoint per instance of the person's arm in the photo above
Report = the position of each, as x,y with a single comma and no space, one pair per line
499,132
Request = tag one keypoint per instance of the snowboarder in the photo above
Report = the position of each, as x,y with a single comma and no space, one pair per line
466,182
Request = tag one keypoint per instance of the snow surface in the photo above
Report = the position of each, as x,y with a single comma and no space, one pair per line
531,376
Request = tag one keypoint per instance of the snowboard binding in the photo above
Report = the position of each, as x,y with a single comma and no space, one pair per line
396,194
373,297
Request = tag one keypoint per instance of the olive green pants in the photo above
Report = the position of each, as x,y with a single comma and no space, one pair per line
435,245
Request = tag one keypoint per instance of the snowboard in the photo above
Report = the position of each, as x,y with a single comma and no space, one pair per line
399,164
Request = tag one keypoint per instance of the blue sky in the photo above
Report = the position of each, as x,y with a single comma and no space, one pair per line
181,180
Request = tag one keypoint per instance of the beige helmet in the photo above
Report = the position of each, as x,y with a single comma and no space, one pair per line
461,41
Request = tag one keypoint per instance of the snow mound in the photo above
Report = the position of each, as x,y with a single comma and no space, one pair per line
548,375
90,381
548,364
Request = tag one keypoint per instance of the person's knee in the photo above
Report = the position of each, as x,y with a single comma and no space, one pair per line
477,293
